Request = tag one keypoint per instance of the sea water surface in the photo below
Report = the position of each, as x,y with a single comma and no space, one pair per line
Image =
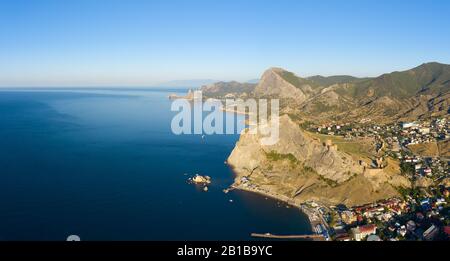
105,165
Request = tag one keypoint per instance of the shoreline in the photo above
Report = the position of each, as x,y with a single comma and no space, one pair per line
300,206
309,212
234,111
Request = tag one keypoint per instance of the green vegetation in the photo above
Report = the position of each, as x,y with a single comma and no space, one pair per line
407,168
412,192
427,77
322,107
348,91
296,81
274,156
306,125
220,89
308,169
327,81
330,182
295,117
333,219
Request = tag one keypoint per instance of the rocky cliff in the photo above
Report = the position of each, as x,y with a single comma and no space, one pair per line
301,168
420,92
276,82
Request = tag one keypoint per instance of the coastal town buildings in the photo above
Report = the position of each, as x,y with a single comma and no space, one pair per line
361,232
420,212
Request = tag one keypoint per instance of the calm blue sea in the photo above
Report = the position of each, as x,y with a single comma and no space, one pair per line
104,165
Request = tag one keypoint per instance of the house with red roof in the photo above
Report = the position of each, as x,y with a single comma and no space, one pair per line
361,232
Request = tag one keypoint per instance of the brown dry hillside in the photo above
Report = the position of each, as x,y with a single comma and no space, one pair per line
432,149
301,167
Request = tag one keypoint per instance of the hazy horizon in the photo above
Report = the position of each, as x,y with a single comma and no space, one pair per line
187,83
148,43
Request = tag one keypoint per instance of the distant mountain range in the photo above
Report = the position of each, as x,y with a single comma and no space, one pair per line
195,83
255,81
419,92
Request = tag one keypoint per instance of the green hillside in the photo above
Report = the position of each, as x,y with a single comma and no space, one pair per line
338,79
429,78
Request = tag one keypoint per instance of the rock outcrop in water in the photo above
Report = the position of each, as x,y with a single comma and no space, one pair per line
199,179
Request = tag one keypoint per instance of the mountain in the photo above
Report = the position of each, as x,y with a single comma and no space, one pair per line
254,81
304,166
229,89
299,167
416,93
429,78
276,82
196,83
338,79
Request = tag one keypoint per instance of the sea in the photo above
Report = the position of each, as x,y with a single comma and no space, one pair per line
104,164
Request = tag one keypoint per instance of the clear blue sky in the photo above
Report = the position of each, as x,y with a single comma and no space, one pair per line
118,42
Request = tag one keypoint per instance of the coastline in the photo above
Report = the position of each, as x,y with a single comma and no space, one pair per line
300,206
224,109
308,211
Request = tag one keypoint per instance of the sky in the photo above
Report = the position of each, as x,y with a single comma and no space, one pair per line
143,43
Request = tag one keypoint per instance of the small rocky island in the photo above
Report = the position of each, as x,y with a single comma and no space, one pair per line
189,96
201,180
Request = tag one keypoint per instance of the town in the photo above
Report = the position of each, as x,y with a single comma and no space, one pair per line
422,211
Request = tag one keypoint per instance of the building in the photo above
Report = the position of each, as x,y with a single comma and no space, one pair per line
447,231
430,233
424,131
411,226
348,217
407,125
373,238
361,232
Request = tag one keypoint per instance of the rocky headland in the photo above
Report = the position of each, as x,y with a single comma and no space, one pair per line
300,168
